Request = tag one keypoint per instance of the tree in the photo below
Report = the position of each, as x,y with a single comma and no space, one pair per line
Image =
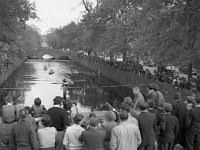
13,15
31,38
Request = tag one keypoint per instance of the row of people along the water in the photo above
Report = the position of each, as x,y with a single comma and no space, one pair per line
139,124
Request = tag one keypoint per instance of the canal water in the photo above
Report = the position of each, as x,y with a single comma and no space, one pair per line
34,79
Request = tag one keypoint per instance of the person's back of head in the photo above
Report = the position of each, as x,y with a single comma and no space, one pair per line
94,122
126,107
28,109
8,99
46,121
128,100
168,107
123,115
150,86
156,87
20,100
142,106
22,113
37,101
110,116
78,118
92,114
57,100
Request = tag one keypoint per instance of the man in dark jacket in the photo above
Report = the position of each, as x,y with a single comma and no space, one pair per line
23,134
160,100
169,127
193,127
179,110
60,120
152,96
148,127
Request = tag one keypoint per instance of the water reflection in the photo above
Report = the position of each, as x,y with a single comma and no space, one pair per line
33,81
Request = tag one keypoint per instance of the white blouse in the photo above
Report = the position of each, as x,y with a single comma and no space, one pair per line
47,137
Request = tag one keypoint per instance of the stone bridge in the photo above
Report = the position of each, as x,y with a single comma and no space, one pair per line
37,54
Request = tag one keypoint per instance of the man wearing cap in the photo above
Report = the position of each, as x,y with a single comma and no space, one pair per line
179,110
125,136
148,127
193,127
60,120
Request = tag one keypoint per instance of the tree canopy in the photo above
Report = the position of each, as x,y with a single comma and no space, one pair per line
15,35
166,31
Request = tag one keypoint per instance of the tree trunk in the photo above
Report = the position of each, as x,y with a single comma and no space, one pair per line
95,54
190,66
124,51
111,56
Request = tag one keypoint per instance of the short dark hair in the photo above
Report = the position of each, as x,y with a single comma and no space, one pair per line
46,121
57,100
123,115
125,107
143,105
22,113
109,115
168,107
28,109
92,114
94,122
78,118
37,101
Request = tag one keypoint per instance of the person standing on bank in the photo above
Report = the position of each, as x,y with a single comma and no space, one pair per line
169,127
179,110
125,136
93,138
152,96
72,134
160,100
148,127
60,121
138,97
46,134
193,127
23,134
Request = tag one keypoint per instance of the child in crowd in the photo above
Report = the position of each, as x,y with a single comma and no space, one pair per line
46,134
37,110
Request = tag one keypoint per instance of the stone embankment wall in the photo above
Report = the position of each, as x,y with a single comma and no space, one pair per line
9,71
130,79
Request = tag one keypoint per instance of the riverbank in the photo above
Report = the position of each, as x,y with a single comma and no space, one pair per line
10,70
130,80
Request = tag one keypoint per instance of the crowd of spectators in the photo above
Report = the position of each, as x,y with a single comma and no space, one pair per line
142,123
161,74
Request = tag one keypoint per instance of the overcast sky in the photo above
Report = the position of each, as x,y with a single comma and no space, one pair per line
56,13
